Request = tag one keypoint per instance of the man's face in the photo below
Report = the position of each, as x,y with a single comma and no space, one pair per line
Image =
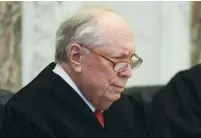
96,77
102,84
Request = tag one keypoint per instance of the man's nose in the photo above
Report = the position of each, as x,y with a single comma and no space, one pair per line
127,72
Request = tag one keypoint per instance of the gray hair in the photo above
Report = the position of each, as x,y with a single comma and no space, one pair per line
81,28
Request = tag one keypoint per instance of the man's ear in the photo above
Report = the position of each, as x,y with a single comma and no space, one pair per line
74,57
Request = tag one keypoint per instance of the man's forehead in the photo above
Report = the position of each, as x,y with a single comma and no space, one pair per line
125,50
114,36
118,50
122,40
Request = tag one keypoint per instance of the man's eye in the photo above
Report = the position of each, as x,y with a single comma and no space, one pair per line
117,57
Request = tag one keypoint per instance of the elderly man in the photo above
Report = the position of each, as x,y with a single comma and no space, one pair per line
79,95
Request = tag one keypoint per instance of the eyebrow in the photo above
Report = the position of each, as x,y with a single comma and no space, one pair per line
125,53
121,55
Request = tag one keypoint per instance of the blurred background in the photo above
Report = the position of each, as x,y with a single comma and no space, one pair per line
167,37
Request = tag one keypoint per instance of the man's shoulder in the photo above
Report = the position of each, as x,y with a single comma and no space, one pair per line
179,103
23,99
30,97
30,104
183,85
38,89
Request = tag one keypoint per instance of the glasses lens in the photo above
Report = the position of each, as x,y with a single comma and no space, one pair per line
120,66
135,62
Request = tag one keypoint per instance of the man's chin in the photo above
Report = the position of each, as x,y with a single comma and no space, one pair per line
106,107
110,101
115,97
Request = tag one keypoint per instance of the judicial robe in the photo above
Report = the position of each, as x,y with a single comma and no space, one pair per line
176,108
49,108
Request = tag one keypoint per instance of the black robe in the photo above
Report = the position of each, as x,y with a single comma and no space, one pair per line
176,108
49,108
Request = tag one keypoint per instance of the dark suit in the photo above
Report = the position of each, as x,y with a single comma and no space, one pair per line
176,108
49,108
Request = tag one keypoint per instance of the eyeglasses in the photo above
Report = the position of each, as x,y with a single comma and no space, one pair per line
135,61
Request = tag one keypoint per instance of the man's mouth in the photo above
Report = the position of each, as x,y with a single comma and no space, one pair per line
118,86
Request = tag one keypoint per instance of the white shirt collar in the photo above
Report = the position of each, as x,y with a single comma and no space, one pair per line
60,71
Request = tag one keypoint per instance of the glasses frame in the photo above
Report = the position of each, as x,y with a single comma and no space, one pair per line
117,62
